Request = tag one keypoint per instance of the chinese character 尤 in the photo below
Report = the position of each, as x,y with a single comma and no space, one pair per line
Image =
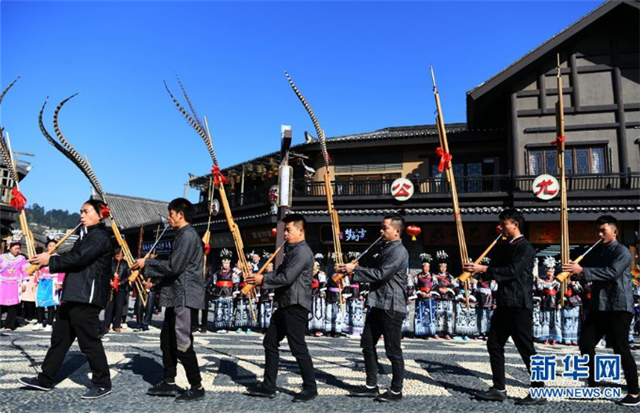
576,367
544,186
543,368
607,367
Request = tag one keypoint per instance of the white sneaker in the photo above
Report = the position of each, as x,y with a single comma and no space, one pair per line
48,328
37,327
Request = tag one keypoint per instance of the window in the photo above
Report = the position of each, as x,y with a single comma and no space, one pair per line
378,184
468,176
369,162
577,161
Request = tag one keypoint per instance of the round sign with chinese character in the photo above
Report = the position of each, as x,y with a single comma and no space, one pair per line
545,187
402,189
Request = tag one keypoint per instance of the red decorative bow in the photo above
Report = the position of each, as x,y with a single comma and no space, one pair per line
559,139
328,157
444,158
207,249
218,178
105,211
18,201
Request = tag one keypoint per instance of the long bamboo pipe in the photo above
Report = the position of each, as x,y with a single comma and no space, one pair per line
33,267
339,277
247,289
564,275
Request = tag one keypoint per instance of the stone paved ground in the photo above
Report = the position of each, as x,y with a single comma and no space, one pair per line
440,375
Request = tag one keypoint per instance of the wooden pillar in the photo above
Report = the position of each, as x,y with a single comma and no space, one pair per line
623,151
514,136
575,83
542,97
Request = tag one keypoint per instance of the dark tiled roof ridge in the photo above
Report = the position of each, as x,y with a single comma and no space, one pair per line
388,132
135,198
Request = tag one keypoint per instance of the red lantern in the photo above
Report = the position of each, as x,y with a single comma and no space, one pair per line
413,231
274,231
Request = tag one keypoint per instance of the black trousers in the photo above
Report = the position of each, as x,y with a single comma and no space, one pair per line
144,313
28,310
199,318
388,324
290,322
125,307
12,314
204,317
516,323
177,322
51,312
76,320
113,311
615,325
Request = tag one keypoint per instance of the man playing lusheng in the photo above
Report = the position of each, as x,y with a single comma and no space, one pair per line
387,304
608,268
84,295
181,289
513,316
292,302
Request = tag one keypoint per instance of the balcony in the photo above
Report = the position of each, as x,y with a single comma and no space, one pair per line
255,197
504,186
382,187
468,184
595,182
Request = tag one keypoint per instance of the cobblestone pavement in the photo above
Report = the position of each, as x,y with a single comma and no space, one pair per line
440,375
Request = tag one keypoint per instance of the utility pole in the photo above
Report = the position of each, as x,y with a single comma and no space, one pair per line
285,181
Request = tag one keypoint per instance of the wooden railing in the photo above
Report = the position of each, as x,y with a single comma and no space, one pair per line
381,187
495,184
595,182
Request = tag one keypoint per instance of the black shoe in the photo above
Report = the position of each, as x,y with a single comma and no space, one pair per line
492,395
260,391
34,383
364,391
630,401
96,392
305,395
389,396
191,395
530,401
163,389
